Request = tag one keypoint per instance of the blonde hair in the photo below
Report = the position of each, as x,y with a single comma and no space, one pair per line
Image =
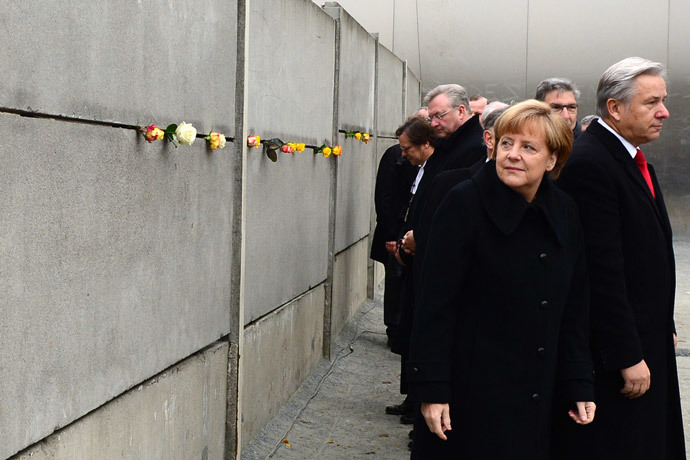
531,114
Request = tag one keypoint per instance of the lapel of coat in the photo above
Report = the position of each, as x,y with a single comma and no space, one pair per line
627,164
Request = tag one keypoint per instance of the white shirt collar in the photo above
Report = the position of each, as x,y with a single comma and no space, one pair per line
632,150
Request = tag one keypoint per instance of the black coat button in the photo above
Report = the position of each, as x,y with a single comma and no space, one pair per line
544,305
541,351
415,370
542,257
536,397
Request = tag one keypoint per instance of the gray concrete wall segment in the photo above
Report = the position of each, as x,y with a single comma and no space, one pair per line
355,183
413,93
280,351
178,414
281,62
117,257
287,202
349,284
151,62
356,89
286,228
389,94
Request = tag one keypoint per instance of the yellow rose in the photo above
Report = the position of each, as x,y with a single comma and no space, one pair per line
216,141
358,135
300,147
337,150
326,152
185,133
365,138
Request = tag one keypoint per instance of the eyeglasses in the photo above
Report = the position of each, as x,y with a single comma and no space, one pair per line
439,116
558,108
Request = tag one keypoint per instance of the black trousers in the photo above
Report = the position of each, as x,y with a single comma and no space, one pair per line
391,296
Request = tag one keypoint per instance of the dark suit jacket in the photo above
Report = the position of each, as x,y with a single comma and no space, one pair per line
391,197
632,276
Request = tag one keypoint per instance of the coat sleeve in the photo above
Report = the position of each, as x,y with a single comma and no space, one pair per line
575,370
447,260
615,340
384,193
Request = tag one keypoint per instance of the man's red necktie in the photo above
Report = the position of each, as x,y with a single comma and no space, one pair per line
642,164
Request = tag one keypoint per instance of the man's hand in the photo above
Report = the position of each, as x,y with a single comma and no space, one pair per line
392,247
585,412
408,243
637,380
437,418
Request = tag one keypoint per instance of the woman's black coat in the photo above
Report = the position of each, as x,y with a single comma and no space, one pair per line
501,322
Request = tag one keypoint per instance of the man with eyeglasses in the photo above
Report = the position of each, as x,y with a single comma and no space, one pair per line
561,94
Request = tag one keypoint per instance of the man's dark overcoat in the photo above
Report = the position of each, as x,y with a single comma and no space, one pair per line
461,149
501,322
632,277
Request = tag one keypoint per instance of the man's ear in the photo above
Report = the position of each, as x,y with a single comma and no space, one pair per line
488,139
615,108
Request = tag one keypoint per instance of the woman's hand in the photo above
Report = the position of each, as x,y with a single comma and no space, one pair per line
585,412
437,418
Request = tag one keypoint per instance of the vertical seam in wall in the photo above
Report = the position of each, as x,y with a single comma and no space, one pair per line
527,49
233,407
371,275
404,91
328,310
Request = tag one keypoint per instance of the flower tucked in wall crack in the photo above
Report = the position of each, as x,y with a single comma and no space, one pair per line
326,152
365,138
300,147
153,133
271,146
288,148
216,140
185,133
358,135
253,141
337,150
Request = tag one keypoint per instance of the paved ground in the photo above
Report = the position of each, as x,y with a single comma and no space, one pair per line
338,413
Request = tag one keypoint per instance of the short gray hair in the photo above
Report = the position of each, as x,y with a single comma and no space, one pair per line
556,84
457,95
491,113
587,120
618,81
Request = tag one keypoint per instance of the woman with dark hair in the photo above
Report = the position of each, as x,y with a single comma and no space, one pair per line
501,323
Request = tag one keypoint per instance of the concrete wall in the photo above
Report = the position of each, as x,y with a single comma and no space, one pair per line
180,414
124,258
116,253
280,350
287,202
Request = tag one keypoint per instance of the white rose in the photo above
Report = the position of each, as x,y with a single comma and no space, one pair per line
221,145
185,133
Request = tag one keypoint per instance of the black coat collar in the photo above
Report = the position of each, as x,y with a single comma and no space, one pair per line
507,208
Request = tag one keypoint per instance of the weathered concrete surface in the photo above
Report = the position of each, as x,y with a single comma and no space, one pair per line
349,284
178,414
280,351
413,93
355,113
286,214
355,191
389,92
116,265
338,413
130,62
